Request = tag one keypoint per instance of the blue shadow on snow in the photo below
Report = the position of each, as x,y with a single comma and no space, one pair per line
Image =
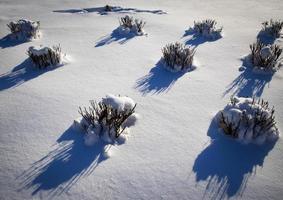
248,83
158,80
115,9
7,41
115,36
58,171
20,74
226,165
197,39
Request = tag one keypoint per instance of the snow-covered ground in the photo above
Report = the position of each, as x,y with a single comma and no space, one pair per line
175,150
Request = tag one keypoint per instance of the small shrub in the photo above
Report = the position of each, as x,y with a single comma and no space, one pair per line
265,57
177,57
248,120
108,118
46,56
108,8
24,29
207,28
272,28
129,24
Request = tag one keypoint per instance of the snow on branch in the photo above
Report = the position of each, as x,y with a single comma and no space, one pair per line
46,56
177,57
24,29
107,119
248,120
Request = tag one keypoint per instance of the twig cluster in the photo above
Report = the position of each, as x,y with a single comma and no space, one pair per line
259,119
272,28
46,56
134,25
24,29
177,57
107,117
265,57
207,28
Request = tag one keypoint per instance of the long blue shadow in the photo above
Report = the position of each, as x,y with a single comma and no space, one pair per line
197,39
265,38
7,42
20,74
115,9
58,171
226,165
115,36
248,83
158,80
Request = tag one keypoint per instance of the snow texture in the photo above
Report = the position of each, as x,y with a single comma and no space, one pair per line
175,151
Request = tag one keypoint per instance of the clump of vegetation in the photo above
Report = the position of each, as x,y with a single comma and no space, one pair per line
108,118
108,8
272,28
177,57
265,57
207,28
129,24
24,29
248,120
46,56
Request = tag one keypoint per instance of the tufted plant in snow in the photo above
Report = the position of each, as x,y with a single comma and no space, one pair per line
248,120
24,29
272,28
46,56
265,57
177,57
108,8
108,118
207,28
129,24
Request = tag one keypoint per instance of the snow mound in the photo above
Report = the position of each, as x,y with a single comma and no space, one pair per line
248,120
46,56
108,120
24,29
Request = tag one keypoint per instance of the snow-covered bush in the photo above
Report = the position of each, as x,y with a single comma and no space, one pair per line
265,57
24,29
107,119
130,25
207,28
177,57
46,56
248,120
272,28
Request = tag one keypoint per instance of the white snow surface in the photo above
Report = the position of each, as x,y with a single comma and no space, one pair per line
175,151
